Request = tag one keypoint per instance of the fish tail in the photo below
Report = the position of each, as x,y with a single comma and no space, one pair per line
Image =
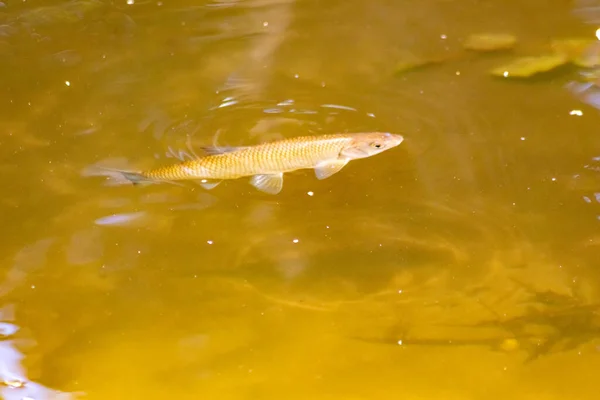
135,177
118,177
115,176
138,178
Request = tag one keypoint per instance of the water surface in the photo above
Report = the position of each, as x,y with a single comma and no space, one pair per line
460,265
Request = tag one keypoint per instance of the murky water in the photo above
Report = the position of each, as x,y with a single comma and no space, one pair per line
461,265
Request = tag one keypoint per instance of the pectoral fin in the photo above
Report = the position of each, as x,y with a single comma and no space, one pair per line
271,184
327,168
207,183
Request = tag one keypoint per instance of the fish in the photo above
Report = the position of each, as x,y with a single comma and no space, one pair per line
266,163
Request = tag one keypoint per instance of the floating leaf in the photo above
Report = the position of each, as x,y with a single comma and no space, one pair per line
490,42
528,66
581,52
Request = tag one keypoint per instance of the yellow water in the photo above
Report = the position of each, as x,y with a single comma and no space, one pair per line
367,285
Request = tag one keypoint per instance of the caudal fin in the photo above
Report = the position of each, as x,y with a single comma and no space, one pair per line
134,177
116,176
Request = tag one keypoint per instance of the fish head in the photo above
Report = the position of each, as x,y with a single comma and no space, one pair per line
368,144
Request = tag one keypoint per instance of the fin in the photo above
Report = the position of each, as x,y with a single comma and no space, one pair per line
134,177
207,183
122,175
212,150
327,168
116,177
271,184
119,177
182,155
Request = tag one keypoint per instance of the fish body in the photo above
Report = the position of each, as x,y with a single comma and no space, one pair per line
267,162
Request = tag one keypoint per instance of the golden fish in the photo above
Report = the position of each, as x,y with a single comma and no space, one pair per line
267,162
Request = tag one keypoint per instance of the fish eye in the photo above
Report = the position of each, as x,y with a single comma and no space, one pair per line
376,145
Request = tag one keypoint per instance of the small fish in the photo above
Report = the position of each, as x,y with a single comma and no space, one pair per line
267,162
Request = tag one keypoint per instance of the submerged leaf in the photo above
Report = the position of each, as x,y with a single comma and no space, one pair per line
581,52
570,47
412,63
490,42
528,66
590,59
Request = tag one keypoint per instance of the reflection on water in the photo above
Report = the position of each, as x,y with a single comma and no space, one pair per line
464,262
15,384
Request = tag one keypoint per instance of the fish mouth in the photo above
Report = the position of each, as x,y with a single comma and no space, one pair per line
394,138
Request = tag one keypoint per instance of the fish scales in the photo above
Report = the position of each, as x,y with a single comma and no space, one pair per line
298,153
268,158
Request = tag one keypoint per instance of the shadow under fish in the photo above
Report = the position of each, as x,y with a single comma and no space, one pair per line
569,328
500,344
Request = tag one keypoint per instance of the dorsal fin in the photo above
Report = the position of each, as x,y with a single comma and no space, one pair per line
212,150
